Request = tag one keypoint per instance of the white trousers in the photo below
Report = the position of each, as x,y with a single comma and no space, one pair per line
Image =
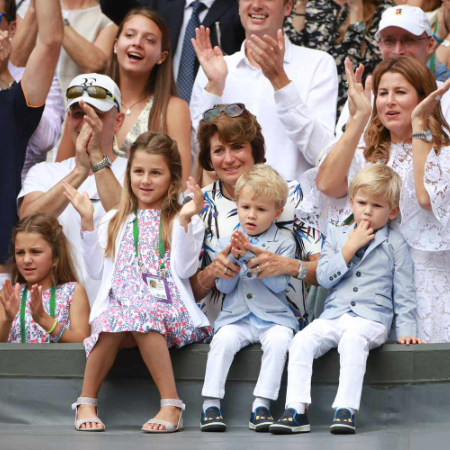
353,336
232,338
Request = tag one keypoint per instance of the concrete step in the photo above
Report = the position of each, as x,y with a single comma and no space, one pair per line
403,385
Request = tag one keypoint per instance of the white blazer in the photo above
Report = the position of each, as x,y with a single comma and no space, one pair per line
185,251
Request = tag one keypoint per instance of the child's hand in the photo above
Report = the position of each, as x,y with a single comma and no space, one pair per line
410,340
361,235
10,299
194,205
82,204
36,305
238,241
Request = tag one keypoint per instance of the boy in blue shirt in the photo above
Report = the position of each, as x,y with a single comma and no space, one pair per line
254,310
369,273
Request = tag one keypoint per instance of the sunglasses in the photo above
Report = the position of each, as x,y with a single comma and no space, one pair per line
93,91
231,110
5,16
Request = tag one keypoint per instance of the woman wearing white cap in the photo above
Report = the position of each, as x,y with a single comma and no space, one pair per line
408,132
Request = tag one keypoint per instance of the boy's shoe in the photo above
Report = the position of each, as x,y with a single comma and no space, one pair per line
260,420
291,422
212,420
343,422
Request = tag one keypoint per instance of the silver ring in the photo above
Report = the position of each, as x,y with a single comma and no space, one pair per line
225,270
438,97
258,270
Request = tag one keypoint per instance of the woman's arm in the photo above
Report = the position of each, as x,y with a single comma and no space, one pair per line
421,149
25,37
66,147
332,174
179,129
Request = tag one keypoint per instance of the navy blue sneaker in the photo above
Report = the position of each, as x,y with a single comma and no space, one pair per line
261,419
212,420
291,422
343,422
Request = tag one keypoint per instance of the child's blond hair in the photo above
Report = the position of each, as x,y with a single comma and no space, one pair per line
266,183
379,180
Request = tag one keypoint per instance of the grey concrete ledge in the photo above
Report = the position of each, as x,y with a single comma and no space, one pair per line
390,364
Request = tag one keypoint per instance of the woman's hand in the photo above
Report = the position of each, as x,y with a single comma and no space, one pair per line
211,60
359,101
419,117
265,263
10,299
82,204
222,267
194,204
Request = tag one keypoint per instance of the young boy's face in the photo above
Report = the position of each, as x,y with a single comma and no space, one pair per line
256,214
374,209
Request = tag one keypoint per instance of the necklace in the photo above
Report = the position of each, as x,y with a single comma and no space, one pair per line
128,110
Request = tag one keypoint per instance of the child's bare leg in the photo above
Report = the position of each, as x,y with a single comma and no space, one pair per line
154,351
98,364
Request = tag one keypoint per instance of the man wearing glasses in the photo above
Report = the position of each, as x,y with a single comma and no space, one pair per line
404,31
21,106
94,117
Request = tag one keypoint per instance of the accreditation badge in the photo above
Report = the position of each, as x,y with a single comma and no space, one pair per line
158,286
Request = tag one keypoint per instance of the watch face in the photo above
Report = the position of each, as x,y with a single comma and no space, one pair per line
428,135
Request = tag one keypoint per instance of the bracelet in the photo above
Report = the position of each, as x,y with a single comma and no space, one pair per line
299,14
200,283
53,327
439,41
59,335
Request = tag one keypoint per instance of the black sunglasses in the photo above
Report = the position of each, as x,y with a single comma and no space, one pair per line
231,110
5,16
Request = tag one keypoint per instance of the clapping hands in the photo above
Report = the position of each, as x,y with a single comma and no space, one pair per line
194,205
10,299
238,241
82,204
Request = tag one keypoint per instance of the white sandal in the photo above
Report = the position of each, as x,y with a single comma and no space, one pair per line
78,423
170,428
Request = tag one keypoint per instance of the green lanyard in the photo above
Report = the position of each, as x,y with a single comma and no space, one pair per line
162,248
433,56
23,306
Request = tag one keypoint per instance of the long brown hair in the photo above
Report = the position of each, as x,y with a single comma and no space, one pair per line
63,269
152,144
377,137
161,82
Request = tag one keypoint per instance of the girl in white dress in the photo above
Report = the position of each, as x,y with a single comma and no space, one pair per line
408,132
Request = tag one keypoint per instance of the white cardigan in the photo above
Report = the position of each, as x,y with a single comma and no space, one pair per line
185,250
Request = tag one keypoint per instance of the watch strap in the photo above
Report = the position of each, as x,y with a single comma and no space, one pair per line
105,162
301,274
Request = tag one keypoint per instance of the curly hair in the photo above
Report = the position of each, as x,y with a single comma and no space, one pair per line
377,137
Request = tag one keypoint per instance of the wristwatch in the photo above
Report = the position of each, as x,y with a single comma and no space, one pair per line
105,162
301,274
425,135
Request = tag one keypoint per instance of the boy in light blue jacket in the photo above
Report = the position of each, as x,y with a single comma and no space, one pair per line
255,310
369,273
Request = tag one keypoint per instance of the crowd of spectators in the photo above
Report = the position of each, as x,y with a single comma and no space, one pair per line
126,127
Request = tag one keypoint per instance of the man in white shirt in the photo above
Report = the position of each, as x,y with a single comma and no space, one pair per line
403,31
95,169
291,90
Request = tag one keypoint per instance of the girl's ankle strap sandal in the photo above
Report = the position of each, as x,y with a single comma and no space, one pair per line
78,423
169,427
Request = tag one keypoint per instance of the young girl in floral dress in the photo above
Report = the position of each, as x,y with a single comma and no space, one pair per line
46,304
144,252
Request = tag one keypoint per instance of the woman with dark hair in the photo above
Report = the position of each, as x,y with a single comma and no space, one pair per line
231,143
408,132
141,65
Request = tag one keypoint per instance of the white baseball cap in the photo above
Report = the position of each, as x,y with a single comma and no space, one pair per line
86,80
410,18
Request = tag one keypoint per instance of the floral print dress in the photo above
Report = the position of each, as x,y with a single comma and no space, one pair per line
132,307
34,334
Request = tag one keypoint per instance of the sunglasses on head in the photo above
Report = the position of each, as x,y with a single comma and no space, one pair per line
93,91
231,110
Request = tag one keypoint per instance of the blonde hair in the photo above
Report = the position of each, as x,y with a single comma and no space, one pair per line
152,144
379,180
47,225
266,183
